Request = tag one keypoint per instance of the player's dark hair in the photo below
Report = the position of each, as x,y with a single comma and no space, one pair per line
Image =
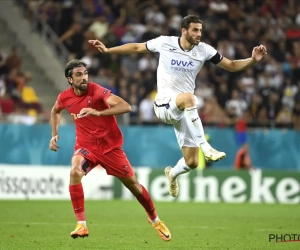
186,21
71,65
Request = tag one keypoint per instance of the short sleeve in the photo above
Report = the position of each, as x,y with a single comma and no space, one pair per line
101,92
59,103
154,45
212,54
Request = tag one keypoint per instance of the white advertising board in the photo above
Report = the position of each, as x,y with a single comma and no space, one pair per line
50,182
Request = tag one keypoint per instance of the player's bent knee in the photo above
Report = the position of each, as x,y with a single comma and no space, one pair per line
77,172
192,163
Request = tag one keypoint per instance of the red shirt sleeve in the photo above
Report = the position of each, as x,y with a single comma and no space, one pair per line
59,103
101,93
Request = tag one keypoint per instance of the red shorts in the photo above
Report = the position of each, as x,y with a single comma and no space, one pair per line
115,162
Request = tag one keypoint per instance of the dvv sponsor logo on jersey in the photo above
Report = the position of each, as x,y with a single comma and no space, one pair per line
181,63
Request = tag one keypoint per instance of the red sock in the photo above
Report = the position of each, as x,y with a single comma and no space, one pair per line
77,198
147,203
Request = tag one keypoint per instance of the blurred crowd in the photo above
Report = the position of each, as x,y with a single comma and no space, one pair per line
19,103
267,94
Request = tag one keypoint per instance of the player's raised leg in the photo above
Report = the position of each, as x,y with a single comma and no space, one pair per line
187,102
190,135
144,199
188,162
77,195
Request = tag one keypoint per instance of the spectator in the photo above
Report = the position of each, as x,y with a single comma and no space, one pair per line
241,129
289,93
147,62
99,27
154,14
247,84
273,106
222,94
13,61
7,105
255,106
3,66
242,159
146,112
284,116
73,40
235,106
232,27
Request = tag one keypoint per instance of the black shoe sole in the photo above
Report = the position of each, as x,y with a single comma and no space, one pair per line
74,236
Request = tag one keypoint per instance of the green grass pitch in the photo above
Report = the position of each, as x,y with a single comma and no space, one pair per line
123,225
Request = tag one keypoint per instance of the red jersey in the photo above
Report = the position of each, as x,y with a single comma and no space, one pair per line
102,131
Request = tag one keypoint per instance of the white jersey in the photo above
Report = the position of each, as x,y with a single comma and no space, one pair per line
177,68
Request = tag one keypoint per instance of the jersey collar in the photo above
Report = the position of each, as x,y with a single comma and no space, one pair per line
183,48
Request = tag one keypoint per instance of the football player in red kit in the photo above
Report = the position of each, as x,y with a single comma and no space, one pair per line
98,142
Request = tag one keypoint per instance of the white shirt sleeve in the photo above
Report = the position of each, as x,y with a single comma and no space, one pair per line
210,51
154,45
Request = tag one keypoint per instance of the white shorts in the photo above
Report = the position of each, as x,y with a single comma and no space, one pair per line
166,110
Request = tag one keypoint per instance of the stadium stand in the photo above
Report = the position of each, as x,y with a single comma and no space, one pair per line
18,99
265,95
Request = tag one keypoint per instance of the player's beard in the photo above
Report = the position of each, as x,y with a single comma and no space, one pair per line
82,86
192,40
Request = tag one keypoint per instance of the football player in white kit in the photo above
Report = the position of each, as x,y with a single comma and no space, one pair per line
180,60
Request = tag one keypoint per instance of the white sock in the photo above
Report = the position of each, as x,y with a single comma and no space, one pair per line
179,169
155,220
82,222
192,114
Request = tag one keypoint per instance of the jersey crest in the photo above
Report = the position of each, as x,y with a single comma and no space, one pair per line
89,101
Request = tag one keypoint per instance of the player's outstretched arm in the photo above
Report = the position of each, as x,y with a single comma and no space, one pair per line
129,48
54,121
237,65
117,105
